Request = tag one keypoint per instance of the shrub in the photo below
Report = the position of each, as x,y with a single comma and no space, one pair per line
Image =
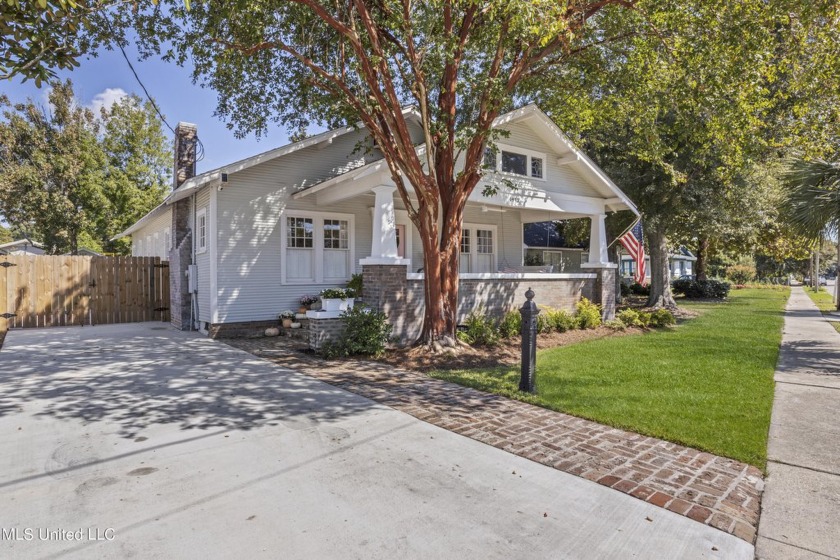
480,330
741,273
544,325
707,289
511,324
625,290
615,325
629,318
562,321
639,290
588,314
661,318
366,332
356,283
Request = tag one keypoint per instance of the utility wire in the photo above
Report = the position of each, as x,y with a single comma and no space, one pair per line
199,145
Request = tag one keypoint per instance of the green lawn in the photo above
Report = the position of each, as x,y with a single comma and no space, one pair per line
823,299
707,383
825,302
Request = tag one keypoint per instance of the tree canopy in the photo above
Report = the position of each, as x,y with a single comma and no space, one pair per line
70,179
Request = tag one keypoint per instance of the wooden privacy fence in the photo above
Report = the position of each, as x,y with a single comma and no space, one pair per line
48,291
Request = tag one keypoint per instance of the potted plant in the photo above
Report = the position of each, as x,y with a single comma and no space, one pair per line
336,299
287,317
305,302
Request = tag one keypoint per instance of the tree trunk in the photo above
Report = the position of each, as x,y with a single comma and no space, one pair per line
815,279
434,322
441,260
660,272
613,252
702,254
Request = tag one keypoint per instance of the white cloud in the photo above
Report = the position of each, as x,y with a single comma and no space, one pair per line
106,99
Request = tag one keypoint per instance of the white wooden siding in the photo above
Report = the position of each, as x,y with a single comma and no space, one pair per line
154,231
561,179
202,260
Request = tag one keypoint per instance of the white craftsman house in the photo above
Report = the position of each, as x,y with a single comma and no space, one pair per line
259,233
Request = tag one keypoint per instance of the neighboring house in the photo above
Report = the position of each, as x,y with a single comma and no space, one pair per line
22,247
263,231
680,263
85,252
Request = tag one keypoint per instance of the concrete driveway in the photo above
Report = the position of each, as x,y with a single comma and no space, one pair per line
140,441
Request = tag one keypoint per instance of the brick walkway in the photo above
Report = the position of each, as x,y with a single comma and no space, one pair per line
717,491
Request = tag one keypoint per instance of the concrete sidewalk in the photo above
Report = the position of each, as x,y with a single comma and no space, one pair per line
800,516
153,443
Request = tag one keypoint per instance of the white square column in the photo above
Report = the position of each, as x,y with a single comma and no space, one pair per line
383,247
598,257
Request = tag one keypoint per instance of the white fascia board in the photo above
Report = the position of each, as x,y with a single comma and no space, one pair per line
154,213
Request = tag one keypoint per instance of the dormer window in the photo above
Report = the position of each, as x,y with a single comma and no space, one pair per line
516,161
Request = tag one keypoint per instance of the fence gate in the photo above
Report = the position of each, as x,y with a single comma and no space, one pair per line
48,291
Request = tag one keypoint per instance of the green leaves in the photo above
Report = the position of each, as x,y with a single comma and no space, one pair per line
68,177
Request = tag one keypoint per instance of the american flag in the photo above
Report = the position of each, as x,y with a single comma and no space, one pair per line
633,242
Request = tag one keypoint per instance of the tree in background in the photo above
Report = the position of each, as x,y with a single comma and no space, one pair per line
813,205
137,171
51,169
69,179
5,235
673,118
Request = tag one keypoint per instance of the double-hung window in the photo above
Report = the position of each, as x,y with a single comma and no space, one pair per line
317,248
201,230
515,161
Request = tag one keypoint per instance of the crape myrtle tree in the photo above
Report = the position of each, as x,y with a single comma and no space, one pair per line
459,63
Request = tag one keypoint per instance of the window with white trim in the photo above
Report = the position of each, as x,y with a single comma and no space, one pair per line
201,230
317,248
478,255
336,249
516,161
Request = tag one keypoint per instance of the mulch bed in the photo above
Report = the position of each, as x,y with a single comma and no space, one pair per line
506,353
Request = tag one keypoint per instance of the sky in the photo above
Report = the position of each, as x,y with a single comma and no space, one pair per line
102,80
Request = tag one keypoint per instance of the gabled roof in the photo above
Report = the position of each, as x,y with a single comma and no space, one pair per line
552,135
588,168
21,242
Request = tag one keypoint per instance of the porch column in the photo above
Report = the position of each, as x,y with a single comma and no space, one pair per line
600,262
383,247
598,240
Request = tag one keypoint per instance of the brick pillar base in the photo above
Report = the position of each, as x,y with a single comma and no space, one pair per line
386,290
605,292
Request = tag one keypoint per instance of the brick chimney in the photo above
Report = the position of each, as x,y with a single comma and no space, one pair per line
186,135
180,254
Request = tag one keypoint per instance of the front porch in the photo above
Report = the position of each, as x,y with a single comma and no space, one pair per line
493,274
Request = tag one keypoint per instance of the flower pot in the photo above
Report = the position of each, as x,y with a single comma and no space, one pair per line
332,304
303,309
287,323
348,303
